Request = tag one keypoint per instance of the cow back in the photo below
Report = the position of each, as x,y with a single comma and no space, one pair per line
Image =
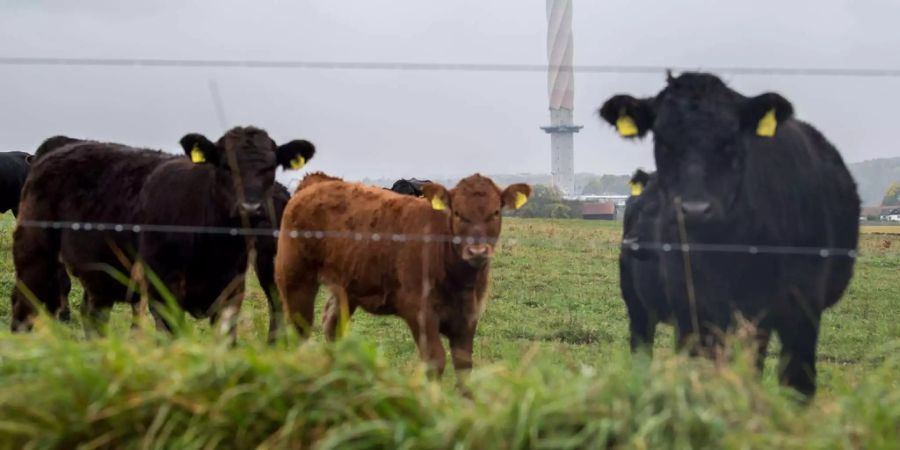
370,236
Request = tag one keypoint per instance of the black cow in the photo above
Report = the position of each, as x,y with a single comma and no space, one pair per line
742,171
14,168
88,181
13,171
226,186
411,186
83,181
640,277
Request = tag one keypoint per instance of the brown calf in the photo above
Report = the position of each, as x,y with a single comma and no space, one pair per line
436,285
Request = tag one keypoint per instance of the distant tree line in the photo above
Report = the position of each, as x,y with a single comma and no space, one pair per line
547,202
892,195
607,184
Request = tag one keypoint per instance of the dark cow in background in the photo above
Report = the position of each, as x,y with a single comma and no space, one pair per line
111,183
13,171
736,170
81,181
410,186
436,287
640,278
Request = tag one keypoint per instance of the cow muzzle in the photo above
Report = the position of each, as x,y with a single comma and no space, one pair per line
251,208
477,255
696,210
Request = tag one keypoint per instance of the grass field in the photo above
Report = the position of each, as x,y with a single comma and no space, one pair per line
881,229
555,304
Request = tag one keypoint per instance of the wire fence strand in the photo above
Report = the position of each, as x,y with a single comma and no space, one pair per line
387,236
442,67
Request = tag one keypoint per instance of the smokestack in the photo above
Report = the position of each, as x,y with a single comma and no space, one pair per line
561,90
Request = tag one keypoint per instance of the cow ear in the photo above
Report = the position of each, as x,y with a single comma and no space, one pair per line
295,154
515,195
199,149
438,196
765,112
638,182
632,117
29,159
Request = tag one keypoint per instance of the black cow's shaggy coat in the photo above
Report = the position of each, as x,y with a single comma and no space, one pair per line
742,171
111,183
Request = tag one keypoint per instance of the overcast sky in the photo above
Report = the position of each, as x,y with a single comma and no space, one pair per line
410,123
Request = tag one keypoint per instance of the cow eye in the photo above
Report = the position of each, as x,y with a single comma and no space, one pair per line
497,213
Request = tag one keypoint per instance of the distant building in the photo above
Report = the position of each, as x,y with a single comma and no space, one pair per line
599,211
892,215
880,213
870,211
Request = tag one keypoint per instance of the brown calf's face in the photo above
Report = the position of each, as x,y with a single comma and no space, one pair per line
248,156
473,208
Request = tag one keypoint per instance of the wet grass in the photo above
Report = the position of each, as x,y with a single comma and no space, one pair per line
551,345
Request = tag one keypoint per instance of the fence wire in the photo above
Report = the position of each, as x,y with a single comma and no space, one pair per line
442,67
663,247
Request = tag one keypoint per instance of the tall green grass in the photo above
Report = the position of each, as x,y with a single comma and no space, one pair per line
552,372
143,390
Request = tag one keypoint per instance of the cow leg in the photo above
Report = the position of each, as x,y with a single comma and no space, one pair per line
425,330
265,273
227,316
686,335
299,301
137,312
164,315
36,258
462,340
705,341
65,287
276,313
763,335
162,299
331,316
163,324
94,315
799,339
642,327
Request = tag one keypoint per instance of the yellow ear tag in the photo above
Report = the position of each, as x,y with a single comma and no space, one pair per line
197,155
298,163
636,189
626,127
437,204
767,124
521,199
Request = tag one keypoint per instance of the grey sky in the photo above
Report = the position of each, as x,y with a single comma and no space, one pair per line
387,123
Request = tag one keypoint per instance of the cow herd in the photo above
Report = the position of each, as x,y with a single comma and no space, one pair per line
751,213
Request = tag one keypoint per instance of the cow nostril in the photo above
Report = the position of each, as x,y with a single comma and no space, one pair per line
695,208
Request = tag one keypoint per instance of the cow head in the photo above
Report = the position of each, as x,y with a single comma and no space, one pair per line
702,133
473,209
247,156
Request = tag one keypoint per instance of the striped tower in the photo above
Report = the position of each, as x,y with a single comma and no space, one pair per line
561,87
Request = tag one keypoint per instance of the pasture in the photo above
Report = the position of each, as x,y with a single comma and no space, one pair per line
555,308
